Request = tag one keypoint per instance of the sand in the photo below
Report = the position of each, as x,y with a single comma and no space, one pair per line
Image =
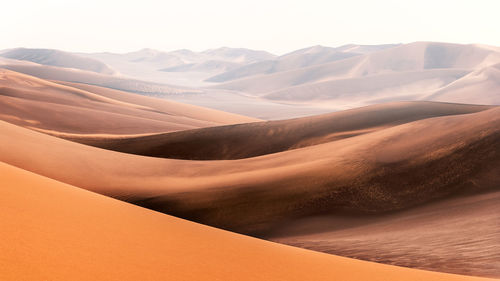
376,183
390,169
36,103
53,231
415,71
458,235
245,140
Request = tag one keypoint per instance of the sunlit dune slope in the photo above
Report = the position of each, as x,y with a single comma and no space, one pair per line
36,103
260,138
390,169
54,231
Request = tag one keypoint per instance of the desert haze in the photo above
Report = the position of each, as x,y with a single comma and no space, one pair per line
357,162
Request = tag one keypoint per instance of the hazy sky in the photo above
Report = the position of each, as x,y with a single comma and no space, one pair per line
275,26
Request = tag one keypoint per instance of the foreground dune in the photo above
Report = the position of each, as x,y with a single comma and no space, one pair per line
390,169
36,103
53,231
260,138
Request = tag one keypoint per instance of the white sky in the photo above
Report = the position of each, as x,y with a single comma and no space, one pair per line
275,26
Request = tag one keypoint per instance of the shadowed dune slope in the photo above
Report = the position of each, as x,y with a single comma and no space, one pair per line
36,103
53,231
260,138
390,169
459,235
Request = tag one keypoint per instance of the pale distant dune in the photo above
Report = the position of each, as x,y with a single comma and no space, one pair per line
295,60
180,67
416,71
57,58
480,86
261,84
53,231
411,85
76,75
314,55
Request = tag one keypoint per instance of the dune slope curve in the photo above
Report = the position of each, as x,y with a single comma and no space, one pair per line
260,138
53,231
40,104
390,169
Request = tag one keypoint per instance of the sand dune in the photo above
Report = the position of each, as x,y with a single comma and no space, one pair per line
414,85
480,86
55,231
261,84
120,82
386,170
57,58
41,104
295,60
412,184
219,100
206,66
314,55
180,67
245,140
365,49
459,235
406,72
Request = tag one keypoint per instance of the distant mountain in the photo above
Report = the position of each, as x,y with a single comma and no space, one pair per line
57,58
